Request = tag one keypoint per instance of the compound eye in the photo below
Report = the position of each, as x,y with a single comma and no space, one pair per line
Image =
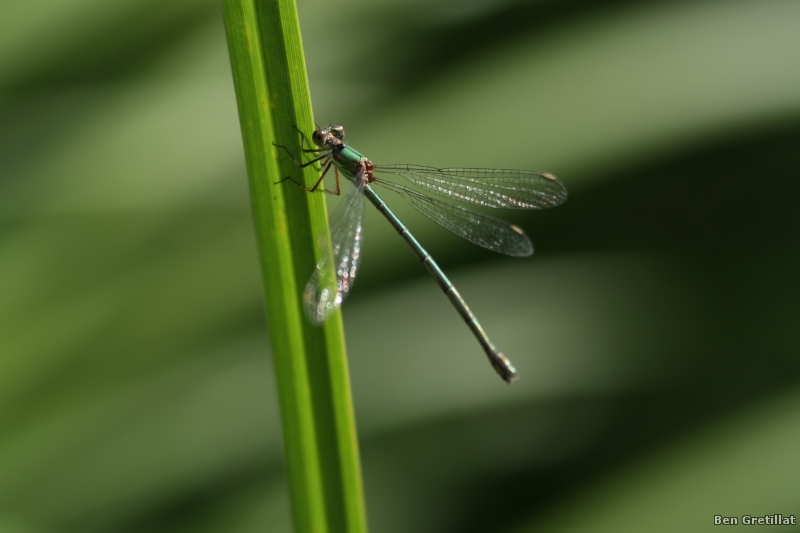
319,137
338,131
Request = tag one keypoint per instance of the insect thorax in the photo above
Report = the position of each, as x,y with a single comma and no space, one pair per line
351,162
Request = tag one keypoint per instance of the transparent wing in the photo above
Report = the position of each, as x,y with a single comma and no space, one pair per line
330,282
492,233
508,189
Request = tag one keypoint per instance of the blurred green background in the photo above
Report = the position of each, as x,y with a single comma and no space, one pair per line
655,329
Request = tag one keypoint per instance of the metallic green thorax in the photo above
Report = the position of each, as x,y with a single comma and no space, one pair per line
347,160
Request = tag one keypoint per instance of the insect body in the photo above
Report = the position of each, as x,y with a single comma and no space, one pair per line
509,189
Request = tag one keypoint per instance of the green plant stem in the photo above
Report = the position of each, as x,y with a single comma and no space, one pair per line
310,365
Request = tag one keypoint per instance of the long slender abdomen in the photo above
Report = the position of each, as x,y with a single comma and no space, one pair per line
499,362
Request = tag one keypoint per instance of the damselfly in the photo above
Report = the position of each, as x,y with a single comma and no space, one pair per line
509,189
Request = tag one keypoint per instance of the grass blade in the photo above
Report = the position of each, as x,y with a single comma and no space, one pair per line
310,364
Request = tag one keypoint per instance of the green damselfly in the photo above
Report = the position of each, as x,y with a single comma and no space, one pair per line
508,189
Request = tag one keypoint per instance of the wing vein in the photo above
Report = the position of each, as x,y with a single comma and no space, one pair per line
497,188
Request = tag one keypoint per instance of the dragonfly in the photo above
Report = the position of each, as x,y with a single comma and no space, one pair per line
431,195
